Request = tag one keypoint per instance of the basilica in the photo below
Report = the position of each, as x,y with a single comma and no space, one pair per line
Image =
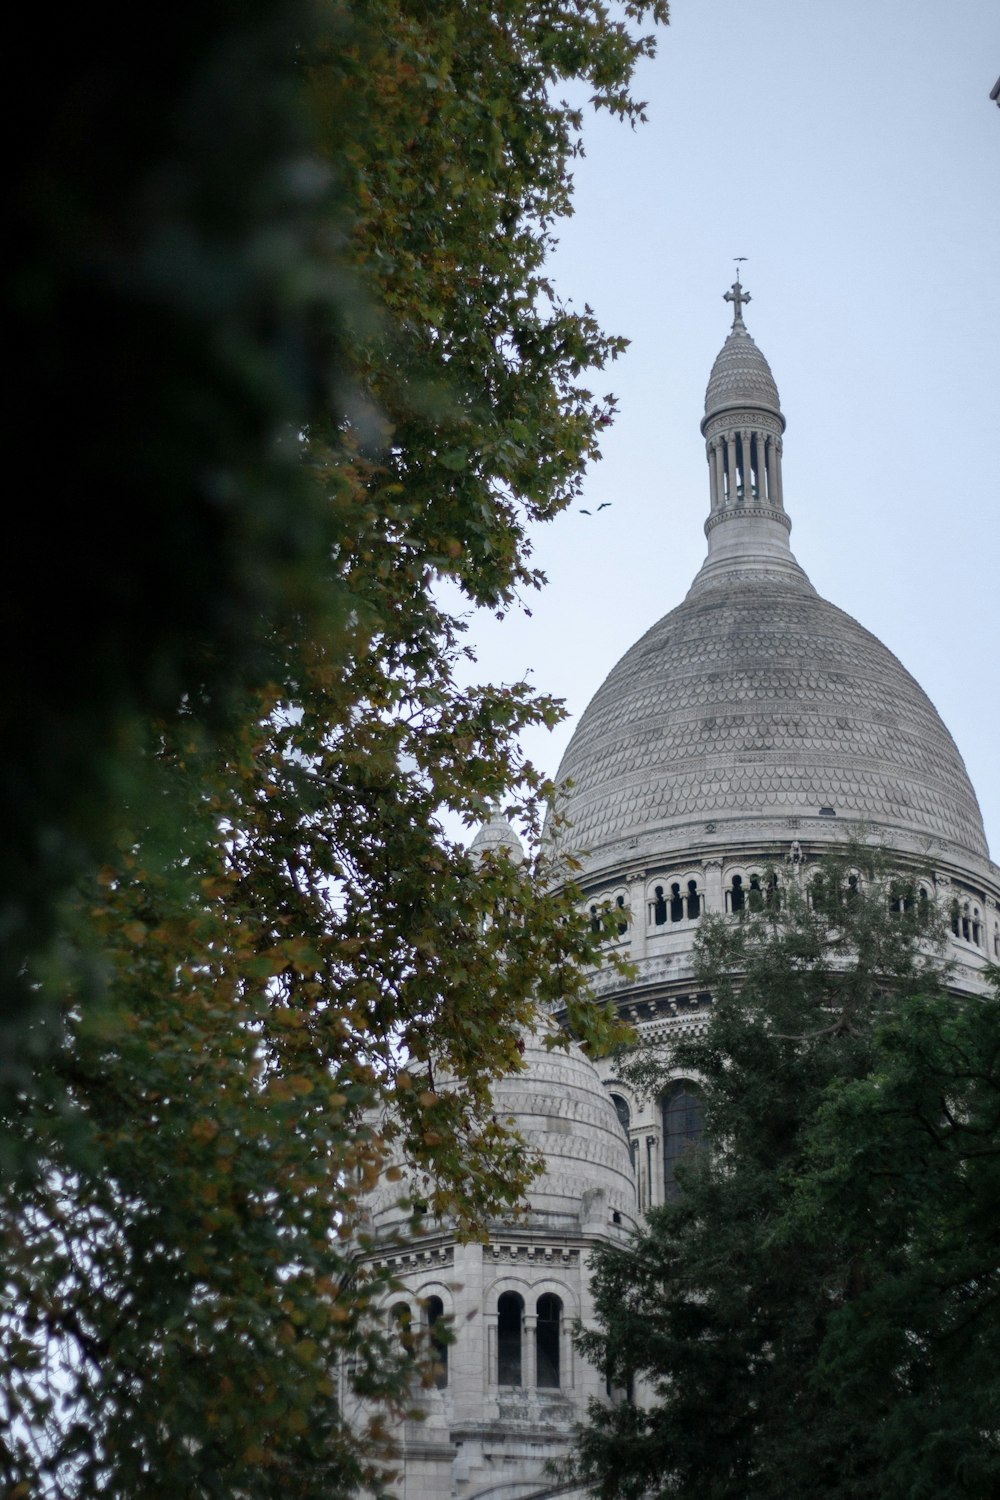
747,731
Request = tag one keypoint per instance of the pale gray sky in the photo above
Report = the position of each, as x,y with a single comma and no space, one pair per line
852,153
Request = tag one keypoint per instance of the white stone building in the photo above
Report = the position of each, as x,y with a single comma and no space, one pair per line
749,729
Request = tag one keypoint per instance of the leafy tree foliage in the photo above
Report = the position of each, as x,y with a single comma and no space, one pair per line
283,974
816,1312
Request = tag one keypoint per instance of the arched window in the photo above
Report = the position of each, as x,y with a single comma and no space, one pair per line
510,1319
755,896
439,1347
683,1130
401,1319
676,903
902,897
595,920
659,907
737,895
622,1111
547,1326
772,895
693,900
622,925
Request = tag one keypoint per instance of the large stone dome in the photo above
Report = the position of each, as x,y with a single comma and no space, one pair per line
756,712
757,700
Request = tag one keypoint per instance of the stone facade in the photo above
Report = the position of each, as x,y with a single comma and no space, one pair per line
747,731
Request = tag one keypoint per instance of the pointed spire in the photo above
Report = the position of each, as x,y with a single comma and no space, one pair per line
743,426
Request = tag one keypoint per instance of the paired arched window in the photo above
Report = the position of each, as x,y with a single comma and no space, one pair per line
905,897
753,892
595,913
548,1340
683,1130
966,922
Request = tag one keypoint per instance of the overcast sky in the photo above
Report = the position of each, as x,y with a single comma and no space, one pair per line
851,152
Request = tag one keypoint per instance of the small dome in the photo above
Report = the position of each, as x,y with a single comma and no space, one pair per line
741,376
560,1108
495,835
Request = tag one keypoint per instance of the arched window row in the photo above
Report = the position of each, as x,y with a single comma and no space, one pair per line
753,890
907,896
967,921
546,1340
675,899
428,1321
832,896
618,901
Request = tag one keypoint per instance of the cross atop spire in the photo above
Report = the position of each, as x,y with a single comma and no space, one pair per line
737,296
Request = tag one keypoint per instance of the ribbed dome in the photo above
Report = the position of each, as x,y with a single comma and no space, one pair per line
560,1108
757,700
741,376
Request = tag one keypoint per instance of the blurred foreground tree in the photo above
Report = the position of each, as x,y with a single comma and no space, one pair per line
817,1311
319,368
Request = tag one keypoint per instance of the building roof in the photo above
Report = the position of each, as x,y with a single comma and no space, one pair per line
756,699
755,706
741,376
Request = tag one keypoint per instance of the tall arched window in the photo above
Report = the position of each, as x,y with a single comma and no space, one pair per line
435,1325
510,1319
547,1329
622,1111
683,1130
401,1319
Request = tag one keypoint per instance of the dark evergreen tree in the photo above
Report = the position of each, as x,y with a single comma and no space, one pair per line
817,1311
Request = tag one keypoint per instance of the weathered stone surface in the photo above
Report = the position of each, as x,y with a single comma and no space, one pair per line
741,376
755,695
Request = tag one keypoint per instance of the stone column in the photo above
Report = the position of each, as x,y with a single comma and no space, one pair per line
713,886
655,1189
718,475
730,442
640,916
529,1361
566,1371
490,1352
779,488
